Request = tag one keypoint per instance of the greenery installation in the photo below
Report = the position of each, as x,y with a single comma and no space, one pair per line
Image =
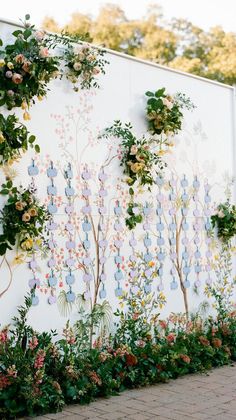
39,374
224,220
14,139
177,43
164,112
23,220
140,160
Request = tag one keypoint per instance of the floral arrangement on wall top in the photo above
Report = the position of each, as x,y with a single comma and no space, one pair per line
164,113
140,161
83,64
14,139
224,220
28,65
23,220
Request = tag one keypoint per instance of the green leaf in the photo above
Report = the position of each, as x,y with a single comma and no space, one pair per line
4,191
31,139
16,33
159,92
1,43
153,103
37,148
27,33
131,191
150,94
3,248
9,184
27,17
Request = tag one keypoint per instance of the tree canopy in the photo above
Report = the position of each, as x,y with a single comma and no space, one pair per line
178,44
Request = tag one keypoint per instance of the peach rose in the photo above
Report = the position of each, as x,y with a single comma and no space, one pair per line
32,212
26,217
133,149
44,52
26,66
19,206
20,58
17,78
137,167
77,66
96,70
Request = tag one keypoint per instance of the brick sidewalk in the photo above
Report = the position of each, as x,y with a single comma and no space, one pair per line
198,396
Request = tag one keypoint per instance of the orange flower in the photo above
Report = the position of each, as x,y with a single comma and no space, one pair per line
185,358
216,342
170,337
204,341
131,360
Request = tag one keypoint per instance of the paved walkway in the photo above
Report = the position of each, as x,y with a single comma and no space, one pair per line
198,396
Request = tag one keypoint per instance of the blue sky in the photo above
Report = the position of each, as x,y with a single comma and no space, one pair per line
204,13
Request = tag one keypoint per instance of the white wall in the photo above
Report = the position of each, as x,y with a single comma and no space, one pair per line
66,125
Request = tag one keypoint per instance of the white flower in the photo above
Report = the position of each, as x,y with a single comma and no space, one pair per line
77,66
39,35
167,103
220,214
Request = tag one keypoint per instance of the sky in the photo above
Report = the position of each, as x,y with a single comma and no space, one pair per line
204,13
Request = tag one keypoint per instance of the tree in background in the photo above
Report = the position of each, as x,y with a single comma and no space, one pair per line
178,44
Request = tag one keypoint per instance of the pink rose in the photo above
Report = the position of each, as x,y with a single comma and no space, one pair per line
17,78
43,52
39,35
3,335
96,70
170,337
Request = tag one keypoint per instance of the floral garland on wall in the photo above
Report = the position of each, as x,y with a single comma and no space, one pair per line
27,66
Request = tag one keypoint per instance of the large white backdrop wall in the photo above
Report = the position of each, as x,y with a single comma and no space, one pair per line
67,125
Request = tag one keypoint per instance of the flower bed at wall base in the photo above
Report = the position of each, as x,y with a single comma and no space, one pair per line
40,375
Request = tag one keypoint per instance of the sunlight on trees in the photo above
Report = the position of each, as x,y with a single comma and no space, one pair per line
178,44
